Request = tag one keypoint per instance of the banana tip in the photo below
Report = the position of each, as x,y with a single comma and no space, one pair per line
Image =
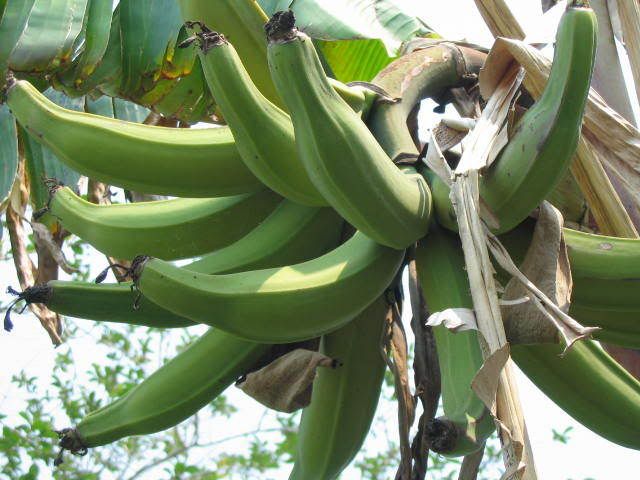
205,39
137,266
281,27
70,439
9,82
442,435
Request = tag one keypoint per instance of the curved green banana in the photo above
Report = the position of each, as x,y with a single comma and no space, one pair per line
541,149
263,132
169,229
171,394
276,305
341,156
587,384
291,233
466,423
343,403
144,158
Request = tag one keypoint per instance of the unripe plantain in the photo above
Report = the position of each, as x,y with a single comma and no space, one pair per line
343,403
341,156
143,158
263,132
466,423
170,229
587,384
292,233
171,394
277,305
541,149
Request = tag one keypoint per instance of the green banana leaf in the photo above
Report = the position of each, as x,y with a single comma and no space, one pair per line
371,32
8,153
146,39
131,53
116,108
48,35
42,163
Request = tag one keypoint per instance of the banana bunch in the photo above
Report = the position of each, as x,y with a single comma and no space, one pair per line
295,221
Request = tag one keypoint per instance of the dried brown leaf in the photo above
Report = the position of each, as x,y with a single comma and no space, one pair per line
286,383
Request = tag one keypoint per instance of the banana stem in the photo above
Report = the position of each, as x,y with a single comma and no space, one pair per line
427,73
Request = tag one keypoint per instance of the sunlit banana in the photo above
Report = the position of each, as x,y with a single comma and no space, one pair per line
276,305
168,229
173,393
291,233
587,384
344,399
143,158
540,151
263,132
545,138
341,156
466,423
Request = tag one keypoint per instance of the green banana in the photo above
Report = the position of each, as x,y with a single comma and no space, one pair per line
169,229
102,302
276,305
466,423
606,279
343,402
541,149
341,156
291,233
174,392
587,384
143,158
263,132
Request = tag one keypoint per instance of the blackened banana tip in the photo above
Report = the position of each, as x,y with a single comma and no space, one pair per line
281,26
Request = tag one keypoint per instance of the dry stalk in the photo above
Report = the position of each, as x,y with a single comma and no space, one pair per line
629,14
395,353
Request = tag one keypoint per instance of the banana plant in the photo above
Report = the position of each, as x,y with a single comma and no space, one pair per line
298,212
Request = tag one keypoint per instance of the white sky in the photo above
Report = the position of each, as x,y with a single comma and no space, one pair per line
586,456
